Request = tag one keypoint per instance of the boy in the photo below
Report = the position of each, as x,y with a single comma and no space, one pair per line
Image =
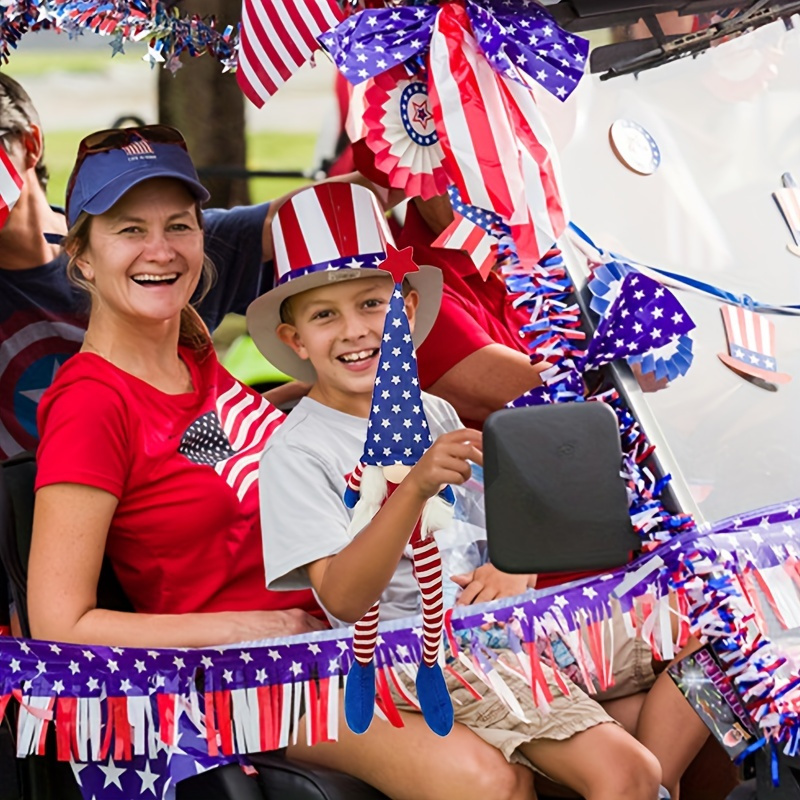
324,324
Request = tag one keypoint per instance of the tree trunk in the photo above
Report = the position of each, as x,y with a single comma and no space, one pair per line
208,108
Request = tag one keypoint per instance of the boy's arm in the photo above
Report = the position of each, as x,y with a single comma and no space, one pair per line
350,582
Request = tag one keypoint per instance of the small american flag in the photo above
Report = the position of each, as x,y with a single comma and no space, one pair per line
480,246
277,38
10,186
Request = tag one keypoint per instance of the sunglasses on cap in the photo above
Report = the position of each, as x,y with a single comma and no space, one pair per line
125,157
120,138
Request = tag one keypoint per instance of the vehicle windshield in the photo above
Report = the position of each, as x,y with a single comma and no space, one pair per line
727,126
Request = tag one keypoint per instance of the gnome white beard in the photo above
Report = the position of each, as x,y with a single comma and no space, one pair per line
373,492
436,515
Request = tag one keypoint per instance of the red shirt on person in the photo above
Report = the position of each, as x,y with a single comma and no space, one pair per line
474,313
186,535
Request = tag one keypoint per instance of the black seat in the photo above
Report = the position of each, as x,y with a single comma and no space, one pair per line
45,778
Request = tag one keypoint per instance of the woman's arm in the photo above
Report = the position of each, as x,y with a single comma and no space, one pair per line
350,582
70,527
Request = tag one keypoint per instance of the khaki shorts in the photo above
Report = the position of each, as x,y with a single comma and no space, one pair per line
492,721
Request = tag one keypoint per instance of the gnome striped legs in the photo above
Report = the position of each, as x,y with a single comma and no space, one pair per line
428,574
366,490
434,698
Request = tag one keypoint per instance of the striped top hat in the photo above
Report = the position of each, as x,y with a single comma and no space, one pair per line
325,234
751,344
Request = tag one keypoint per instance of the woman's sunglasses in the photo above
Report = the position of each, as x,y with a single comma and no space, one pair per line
120,138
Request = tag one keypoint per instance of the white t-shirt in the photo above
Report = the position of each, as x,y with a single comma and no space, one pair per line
302,482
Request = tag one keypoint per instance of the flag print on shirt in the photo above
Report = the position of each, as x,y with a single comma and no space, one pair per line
232,437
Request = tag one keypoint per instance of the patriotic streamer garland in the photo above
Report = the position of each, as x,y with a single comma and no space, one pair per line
131,717
170,33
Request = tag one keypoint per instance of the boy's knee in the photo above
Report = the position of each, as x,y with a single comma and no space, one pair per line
496,778
638,776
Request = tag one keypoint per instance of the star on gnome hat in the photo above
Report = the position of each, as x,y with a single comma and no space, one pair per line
397,437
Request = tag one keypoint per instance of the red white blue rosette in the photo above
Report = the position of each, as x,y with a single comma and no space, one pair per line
402,134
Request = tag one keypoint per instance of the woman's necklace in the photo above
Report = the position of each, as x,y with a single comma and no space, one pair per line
183,382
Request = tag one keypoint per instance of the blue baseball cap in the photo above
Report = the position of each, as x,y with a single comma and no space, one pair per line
112,162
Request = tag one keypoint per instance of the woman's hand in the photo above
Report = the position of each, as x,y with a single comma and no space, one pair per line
248,626
446,461
488,583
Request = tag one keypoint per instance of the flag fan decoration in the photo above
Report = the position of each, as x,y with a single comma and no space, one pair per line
401,131
125,715
480,62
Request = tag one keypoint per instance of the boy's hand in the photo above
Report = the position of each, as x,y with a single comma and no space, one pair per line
446,461
488,583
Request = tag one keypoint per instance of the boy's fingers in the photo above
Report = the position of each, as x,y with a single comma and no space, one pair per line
470,593
463,580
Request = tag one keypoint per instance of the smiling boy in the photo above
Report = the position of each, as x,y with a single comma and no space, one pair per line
324,323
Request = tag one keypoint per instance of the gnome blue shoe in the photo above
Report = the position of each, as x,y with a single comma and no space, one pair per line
359,696
434,699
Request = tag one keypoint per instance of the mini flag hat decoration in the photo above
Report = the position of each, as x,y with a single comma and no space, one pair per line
397,437
751,345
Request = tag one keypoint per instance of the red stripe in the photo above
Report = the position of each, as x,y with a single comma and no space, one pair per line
542,157
282,34
309,35
248,54
223,703
293,236
266,38
324,700
10,168
265,722
313,713
386,701
474,238
211,725
452,21
277,714
66,713
336,201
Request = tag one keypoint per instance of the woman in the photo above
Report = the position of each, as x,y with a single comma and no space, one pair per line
149,455
129,465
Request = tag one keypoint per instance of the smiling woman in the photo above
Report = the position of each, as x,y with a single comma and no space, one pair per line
149,448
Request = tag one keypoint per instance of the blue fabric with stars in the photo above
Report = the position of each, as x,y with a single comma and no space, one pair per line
398,430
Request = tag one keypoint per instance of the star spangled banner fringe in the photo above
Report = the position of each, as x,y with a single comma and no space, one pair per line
480,61
153,711
169,32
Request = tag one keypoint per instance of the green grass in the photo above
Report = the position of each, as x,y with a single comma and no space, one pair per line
33,62
284,151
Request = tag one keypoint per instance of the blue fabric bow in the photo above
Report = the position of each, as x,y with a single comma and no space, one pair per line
519,39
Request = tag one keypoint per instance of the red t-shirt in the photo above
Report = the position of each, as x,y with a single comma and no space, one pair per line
186,535
474,313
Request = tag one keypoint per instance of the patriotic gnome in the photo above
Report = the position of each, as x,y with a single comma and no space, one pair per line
397,437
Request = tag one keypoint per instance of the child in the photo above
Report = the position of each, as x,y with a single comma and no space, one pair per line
324,324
